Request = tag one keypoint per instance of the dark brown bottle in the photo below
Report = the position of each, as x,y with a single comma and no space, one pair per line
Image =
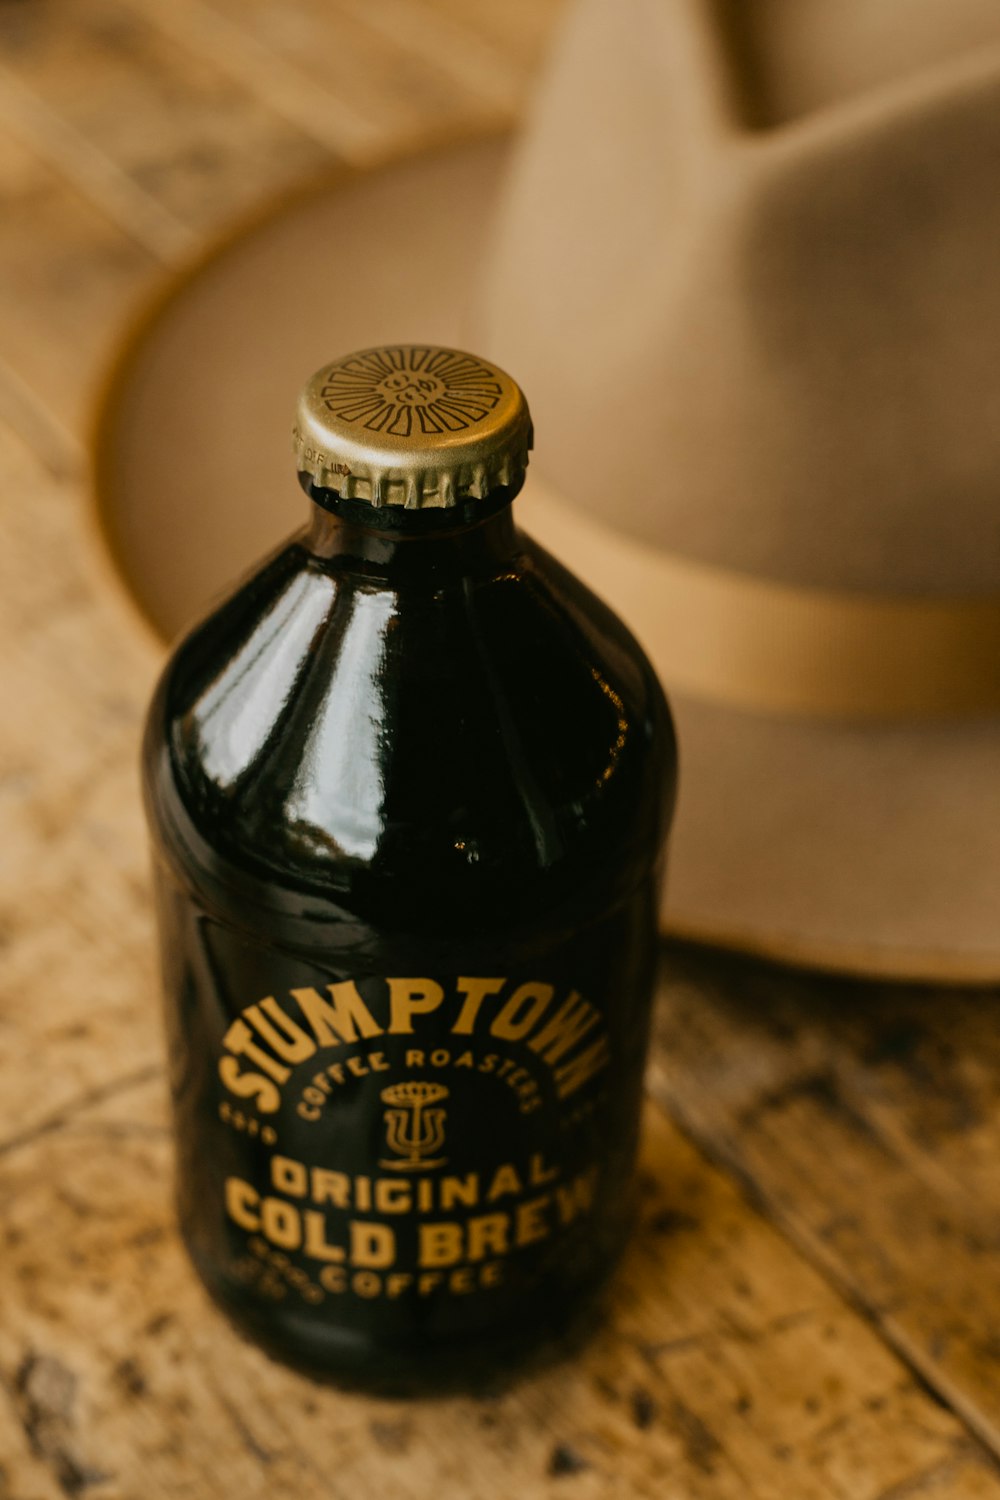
408,791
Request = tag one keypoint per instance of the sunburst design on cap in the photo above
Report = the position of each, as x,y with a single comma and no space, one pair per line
407,389
415,425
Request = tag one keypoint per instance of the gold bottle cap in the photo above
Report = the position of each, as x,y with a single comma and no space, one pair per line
412,425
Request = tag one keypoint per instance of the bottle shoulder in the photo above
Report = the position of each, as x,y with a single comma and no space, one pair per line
334,731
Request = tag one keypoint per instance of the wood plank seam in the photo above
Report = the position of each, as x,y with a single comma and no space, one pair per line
142,217
438,41
927,1375
23,409
66,1113
289,92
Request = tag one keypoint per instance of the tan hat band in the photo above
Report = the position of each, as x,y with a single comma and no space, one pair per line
770,647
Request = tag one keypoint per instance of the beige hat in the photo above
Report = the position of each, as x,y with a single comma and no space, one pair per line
744,262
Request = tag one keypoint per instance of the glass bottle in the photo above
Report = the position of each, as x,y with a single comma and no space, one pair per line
408,790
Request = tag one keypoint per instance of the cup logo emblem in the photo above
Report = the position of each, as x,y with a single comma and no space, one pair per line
414,1126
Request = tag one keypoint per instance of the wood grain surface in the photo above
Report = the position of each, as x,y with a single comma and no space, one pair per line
865,1120
807,1309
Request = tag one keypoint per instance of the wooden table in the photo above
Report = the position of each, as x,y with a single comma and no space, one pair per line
808,1308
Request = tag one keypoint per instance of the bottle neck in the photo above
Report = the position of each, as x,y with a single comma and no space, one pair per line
469,548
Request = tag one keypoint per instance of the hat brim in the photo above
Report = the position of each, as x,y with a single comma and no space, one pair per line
869,850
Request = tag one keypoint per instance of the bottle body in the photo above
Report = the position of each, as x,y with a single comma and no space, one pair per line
408,798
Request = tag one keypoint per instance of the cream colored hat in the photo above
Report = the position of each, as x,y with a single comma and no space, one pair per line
744,263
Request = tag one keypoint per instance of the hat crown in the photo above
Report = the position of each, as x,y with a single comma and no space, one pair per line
772,321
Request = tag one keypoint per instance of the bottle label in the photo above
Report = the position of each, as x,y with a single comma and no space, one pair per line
436,1147
411,1136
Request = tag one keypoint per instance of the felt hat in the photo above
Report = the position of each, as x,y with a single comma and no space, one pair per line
743,260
